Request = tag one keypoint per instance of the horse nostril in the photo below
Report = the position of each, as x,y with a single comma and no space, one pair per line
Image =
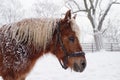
83,63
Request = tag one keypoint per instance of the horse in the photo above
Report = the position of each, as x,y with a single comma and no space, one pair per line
22,43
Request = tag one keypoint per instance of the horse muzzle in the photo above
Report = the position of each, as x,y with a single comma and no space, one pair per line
80,63
79,67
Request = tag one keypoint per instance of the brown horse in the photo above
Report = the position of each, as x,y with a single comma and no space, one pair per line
22,43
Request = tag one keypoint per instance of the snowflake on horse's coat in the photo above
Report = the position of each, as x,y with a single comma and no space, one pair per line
23,42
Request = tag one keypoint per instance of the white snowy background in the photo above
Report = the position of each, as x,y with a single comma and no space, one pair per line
101,65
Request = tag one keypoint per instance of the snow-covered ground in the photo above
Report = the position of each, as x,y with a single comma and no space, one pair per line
100,66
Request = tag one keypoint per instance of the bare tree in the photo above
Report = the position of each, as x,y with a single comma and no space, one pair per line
46,9
10,11
112,33
96,15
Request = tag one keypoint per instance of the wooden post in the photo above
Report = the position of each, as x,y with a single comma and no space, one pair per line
92,47
111,47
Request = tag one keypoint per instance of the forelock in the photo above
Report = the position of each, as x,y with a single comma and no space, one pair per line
75,27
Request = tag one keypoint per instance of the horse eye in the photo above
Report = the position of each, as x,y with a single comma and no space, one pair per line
71,39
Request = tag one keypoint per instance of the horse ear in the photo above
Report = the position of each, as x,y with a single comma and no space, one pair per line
74,17
68,15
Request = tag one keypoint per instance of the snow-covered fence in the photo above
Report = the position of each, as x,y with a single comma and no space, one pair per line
90,47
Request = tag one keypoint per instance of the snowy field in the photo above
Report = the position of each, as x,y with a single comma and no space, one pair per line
100,66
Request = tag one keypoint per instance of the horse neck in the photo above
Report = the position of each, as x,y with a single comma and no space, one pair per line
52,45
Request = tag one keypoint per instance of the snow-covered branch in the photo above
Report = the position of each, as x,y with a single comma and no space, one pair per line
105,13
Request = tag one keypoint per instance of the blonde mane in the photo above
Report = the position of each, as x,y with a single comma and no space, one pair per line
37,31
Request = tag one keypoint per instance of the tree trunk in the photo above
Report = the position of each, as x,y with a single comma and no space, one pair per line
98,40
